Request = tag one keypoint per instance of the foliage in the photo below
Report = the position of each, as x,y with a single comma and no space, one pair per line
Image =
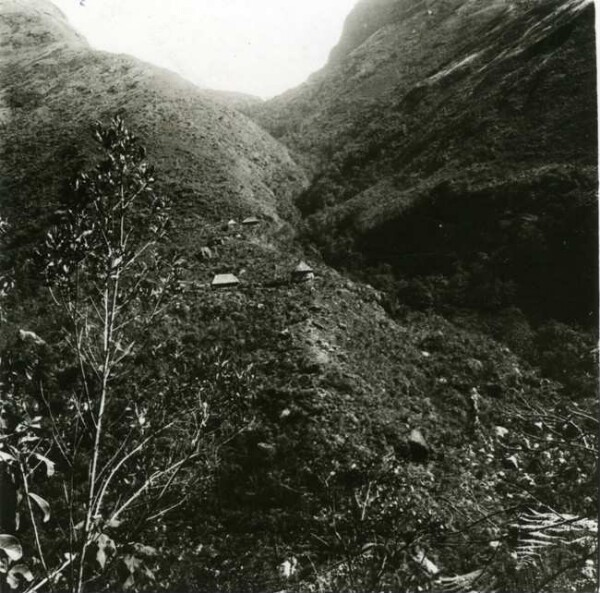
484,244
305,479
322,478
120,450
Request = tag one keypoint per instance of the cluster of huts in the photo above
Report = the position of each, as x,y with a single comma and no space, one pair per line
251,221
301,273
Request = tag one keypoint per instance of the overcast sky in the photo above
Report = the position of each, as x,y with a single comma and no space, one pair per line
261,47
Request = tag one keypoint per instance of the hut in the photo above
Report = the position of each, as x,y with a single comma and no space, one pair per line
224,281
250,221
302,272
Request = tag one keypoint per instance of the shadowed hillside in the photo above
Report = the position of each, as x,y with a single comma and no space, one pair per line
441,133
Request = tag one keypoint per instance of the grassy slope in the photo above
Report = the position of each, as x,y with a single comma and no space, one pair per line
480,101
212,160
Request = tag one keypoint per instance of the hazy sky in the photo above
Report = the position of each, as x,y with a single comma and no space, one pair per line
261,47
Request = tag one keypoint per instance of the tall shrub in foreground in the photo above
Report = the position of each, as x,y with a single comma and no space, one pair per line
102,437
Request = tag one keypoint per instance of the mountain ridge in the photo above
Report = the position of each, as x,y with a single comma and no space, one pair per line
221,162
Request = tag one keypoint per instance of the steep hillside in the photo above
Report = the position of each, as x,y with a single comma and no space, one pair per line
326,390
443,132
214,161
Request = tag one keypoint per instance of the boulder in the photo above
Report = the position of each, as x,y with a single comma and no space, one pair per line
418,448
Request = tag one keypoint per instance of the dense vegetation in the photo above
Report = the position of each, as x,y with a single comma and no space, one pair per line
456,143
436,432
314,440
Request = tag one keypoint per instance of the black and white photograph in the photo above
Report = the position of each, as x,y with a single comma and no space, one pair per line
299,296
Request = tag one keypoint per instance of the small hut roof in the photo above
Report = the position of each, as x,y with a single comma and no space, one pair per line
250,220
225,280
302,268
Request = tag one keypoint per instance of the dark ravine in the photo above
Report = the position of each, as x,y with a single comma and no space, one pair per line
427,108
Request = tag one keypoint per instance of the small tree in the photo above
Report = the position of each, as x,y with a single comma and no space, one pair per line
119,446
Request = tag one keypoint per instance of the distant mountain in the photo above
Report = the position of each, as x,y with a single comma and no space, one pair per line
214,161
444,134
239,101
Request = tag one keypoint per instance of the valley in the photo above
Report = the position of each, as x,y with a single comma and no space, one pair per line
421,415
